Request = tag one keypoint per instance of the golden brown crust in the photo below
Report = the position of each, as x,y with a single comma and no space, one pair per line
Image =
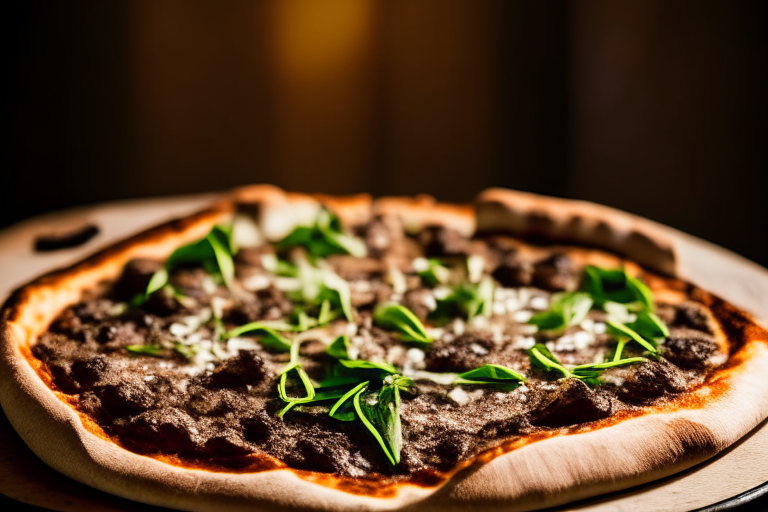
422,211
525,214
543,473
352,210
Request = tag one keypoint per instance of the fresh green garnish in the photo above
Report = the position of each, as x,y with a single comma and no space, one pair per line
326,314
616,286
620,330
188,351
467,299
357,364
214,252
146,350
270,338
431,271
294,366
339,348
566,309
543,359
401,319
318,286
382,418
490,375
627,300
344,409
326,237
610,364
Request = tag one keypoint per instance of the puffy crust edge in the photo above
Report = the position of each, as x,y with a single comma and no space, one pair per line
565,220
546,473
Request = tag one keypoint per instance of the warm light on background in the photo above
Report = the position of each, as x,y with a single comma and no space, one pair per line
656,107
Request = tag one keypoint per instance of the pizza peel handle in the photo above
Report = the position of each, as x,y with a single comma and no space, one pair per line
542,474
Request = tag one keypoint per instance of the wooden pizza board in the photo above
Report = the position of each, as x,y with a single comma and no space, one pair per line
26,478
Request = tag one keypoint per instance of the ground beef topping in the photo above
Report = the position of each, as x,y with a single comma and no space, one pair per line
450,346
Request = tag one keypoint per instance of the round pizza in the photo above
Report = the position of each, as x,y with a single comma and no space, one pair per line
282,350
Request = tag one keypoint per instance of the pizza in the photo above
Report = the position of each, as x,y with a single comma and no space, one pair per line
341,353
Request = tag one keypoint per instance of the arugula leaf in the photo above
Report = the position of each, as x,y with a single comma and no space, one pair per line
270,338
294,366
357,364
344,409
649,326
188,351
158,281
318,286
566,309
543,359
337,290
620,330
326,314
431,271
468,299
616,286
490,374
402,319
322,394
146,350
609,364
214,252
382,420
339,348
326,237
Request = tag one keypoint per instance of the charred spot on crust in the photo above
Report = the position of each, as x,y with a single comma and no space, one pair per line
74,238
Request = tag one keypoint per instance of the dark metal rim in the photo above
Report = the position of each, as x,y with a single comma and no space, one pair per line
741,499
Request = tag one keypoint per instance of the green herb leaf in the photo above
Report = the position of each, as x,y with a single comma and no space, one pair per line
270,338
543,359
402,319
339,348
649,326
582,368
146,350
431,271
294,366
467,299
337,291
617,286
490,374
344,409
326,237
357,364
223,258
383,422
326,314
619,330
214,252
566,309
188,351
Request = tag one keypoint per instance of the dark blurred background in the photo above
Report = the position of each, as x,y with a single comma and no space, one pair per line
656,107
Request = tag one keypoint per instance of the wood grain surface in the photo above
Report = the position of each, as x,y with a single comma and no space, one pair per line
24,477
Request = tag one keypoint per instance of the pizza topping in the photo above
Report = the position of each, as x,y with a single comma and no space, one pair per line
688,348
388,353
